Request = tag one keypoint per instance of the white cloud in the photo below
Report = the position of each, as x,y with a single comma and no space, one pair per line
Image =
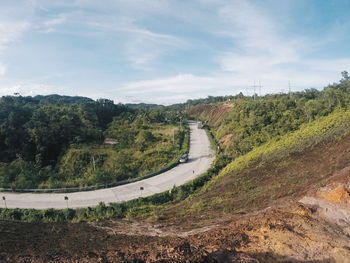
152,36
60,19
9,90
256,32
28,89
240,42
178,83
2,69
11,32
258,38
181,87
267,53
49,25
264,54
173,89
142,46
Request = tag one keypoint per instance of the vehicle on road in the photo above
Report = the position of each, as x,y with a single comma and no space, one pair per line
201,160
184,158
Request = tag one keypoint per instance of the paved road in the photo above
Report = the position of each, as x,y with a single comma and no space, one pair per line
201,157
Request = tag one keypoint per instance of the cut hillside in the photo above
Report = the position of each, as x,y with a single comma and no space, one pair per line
212,113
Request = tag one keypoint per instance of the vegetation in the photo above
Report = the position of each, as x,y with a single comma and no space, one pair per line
58,141
253,121
141,207
264,130
332,127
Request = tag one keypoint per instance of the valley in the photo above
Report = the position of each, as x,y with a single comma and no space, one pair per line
277,191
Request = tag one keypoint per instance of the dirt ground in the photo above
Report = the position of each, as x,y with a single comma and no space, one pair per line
214,112
296,234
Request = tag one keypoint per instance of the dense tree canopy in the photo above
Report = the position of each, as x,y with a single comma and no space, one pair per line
40,135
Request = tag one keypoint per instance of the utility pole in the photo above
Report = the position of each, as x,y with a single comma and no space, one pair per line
254,89
173,136
93,163
289,86
289,89
260,88
254,86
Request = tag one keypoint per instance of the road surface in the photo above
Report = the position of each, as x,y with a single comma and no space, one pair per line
201,157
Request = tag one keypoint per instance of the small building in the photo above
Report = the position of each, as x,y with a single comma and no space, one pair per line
109,141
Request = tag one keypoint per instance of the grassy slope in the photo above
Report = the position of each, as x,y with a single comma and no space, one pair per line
213,113
120,164
284,167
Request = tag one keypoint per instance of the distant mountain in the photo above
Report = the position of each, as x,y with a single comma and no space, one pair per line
143,105
61,99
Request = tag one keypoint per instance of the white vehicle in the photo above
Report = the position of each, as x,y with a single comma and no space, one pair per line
184,158
199,125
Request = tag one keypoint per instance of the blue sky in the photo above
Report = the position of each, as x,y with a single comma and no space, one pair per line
167,51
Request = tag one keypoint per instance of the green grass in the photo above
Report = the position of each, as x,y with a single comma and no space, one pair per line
333,126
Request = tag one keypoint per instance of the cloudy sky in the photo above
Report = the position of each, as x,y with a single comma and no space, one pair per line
168,51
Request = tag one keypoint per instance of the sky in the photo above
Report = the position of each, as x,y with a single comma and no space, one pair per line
169,51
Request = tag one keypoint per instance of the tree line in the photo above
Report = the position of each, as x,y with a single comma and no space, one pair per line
37,132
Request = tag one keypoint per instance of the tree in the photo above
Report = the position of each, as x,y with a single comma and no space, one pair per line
345,75
145,137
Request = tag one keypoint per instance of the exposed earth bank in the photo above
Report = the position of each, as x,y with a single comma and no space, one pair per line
299,233
313,226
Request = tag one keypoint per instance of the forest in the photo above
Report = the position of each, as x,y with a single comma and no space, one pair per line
60,141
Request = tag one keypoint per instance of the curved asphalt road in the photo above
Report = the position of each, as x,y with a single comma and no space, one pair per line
201,157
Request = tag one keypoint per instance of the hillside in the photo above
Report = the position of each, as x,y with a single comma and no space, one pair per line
285,201
60,141
278,192
243,122
285,168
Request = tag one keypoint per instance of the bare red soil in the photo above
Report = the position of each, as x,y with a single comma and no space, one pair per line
214,112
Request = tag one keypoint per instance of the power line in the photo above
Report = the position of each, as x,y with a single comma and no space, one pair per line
289,86
260,88
254,86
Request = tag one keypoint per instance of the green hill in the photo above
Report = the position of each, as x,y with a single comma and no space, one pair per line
60,141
